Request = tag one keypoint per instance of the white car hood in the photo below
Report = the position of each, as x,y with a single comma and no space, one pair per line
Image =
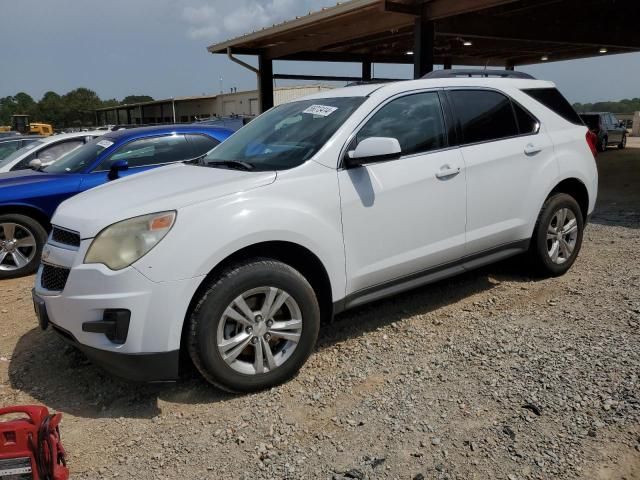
166,188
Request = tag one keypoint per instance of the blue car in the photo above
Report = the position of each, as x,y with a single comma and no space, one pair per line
28,198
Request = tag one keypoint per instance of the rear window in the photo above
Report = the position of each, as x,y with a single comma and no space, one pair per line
553,100
591,121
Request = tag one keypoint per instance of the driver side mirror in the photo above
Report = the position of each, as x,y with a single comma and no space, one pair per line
35,164
116,168
373,149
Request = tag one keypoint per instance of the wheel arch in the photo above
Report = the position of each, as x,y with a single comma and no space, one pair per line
577,189
28,211
293,254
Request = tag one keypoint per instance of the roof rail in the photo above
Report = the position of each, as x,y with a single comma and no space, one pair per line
478,73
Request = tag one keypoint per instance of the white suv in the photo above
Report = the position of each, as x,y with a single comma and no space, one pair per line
317,206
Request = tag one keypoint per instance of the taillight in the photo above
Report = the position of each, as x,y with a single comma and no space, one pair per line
592,141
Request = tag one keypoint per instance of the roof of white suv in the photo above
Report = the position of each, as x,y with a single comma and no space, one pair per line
407,85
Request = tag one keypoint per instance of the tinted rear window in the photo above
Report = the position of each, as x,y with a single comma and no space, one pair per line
591,121
553,100
484,115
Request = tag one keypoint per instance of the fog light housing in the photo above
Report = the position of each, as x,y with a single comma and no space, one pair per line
114,325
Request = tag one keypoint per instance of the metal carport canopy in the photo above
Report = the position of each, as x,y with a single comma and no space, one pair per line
504,33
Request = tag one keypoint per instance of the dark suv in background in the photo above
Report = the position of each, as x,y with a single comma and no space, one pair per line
607,127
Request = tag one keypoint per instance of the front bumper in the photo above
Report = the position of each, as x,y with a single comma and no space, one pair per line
150,351
141,367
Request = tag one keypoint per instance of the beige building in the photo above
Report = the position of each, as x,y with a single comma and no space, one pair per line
189,109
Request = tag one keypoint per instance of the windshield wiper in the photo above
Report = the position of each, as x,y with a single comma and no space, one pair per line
233,164
195,161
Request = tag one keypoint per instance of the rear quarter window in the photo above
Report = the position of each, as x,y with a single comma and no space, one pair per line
484,115
554,101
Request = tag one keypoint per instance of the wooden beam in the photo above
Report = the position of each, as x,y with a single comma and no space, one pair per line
347,57
407,9
619,32
265,83
299,23
437,9
351,28
366,70
424,42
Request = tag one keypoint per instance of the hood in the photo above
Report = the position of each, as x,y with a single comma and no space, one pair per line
162,189
29,183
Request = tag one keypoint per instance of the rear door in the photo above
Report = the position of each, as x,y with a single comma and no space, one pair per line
504,151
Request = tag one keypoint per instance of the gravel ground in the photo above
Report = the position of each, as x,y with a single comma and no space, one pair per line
491,375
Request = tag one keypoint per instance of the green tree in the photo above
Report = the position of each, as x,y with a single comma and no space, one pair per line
24,104
623,106
51,108
80,105
112,102
129,99
7,108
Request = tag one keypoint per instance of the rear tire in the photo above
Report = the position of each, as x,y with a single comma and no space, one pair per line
557,237
602,144
249,308
21,241
623,142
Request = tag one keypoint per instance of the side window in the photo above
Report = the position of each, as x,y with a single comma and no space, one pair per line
201,144
7,148
54,152
150,151
415,121
527,124
484,115
24,163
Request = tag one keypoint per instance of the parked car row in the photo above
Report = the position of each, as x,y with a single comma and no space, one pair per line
608,129
45,150
67,164
319,205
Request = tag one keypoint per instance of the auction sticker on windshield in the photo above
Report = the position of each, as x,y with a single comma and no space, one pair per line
322,110
105,143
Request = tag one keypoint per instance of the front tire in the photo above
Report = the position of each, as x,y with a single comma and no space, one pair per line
21,242
557,237
254,326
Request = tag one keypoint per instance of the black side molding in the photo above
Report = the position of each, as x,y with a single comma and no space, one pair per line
431,275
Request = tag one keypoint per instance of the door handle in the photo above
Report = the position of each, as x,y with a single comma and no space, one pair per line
446,171
531,149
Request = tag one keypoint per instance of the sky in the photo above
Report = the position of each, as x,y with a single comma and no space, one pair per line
158,48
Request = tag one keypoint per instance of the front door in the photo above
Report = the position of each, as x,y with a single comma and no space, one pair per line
404,217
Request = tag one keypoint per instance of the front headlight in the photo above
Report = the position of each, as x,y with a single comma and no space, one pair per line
126,242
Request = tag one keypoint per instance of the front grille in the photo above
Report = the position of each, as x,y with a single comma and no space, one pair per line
65,237
54,278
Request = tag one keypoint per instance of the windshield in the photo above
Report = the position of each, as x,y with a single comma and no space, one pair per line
286,136
19,153
80,159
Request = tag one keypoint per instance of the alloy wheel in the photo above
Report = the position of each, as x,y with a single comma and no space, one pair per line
17,246
259,330
562,235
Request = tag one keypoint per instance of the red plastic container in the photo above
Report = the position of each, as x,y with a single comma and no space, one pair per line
21,449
